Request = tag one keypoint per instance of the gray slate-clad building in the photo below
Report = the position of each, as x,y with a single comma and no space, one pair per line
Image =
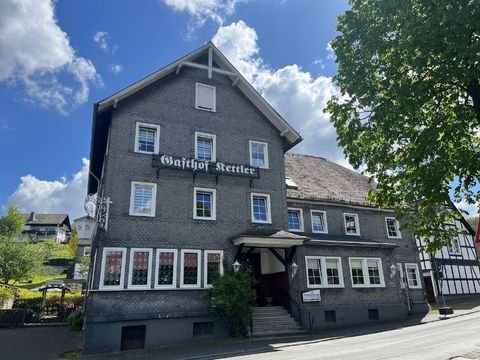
189,165
364,267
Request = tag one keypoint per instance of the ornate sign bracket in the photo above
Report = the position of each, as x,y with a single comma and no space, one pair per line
98,208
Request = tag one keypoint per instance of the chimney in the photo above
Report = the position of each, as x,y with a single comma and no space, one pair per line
32,216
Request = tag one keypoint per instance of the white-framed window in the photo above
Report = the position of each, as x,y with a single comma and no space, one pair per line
295,219
112,274
139,274
190,268
87,250
393,228
205,97
324,272
413,276
352,226
258,154
143,199
213,266
260,208
319,221
454,247
204,203
166,269
366,272
205,146
147,138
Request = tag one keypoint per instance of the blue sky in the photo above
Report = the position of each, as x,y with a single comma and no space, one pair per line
58,58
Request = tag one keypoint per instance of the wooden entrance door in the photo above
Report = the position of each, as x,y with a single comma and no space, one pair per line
267,285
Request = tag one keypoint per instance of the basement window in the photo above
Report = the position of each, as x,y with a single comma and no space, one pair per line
373,314
203,328
330,316
133,337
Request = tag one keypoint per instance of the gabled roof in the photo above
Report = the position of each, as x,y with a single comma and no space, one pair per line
46,219
102,116
292,136
321,180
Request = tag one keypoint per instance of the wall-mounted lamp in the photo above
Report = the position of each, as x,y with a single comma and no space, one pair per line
236,266
294,270
393,270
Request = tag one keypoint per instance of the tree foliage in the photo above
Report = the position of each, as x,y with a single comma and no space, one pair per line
73,242
409,74
18,260
84,267
12,224
232,296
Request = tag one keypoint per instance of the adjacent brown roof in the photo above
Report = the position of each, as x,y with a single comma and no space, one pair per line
322,180
46,219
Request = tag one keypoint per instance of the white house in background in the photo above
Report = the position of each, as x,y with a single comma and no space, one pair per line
43,227
453,270
85,228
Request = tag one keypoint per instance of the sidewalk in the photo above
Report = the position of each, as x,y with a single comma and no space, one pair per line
232,347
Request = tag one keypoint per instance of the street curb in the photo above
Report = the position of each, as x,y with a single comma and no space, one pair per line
306,342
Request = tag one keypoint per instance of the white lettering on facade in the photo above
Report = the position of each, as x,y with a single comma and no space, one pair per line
194,165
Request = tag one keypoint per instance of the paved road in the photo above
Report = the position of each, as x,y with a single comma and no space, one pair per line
439,340
37,343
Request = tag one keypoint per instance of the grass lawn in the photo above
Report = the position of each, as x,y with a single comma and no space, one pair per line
55,251
39,280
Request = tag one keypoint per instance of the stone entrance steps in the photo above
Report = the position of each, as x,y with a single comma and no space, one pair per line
274,320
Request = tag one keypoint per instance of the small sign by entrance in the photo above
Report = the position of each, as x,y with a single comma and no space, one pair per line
311,296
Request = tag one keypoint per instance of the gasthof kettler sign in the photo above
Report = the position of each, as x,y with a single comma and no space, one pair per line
204,166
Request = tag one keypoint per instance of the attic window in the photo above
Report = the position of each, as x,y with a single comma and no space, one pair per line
205,97
291,184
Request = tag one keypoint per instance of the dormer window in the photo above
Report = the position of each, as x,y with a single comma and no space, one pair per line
205,97
291,184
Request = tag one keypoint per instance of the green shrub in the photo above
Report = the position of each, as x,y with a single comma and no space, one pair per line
231,299
75,320
6,294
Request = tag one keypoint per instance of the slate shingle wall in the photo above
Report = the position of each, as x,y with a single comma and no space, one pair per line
372,228
170,103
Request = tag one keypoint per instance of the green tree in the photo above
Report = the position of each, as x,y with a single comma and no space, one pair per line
73,242
18,260
232,296
409,110
84,266
12,224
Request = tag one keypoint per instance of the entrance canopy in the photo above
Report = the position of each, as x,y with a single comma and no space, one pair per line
276,240
279,239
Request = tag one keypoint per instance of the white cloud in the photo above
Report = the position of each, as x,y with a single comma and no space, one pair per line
57,196
320,63
101,39
36,53
116,68
203,10
294,93
330,52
